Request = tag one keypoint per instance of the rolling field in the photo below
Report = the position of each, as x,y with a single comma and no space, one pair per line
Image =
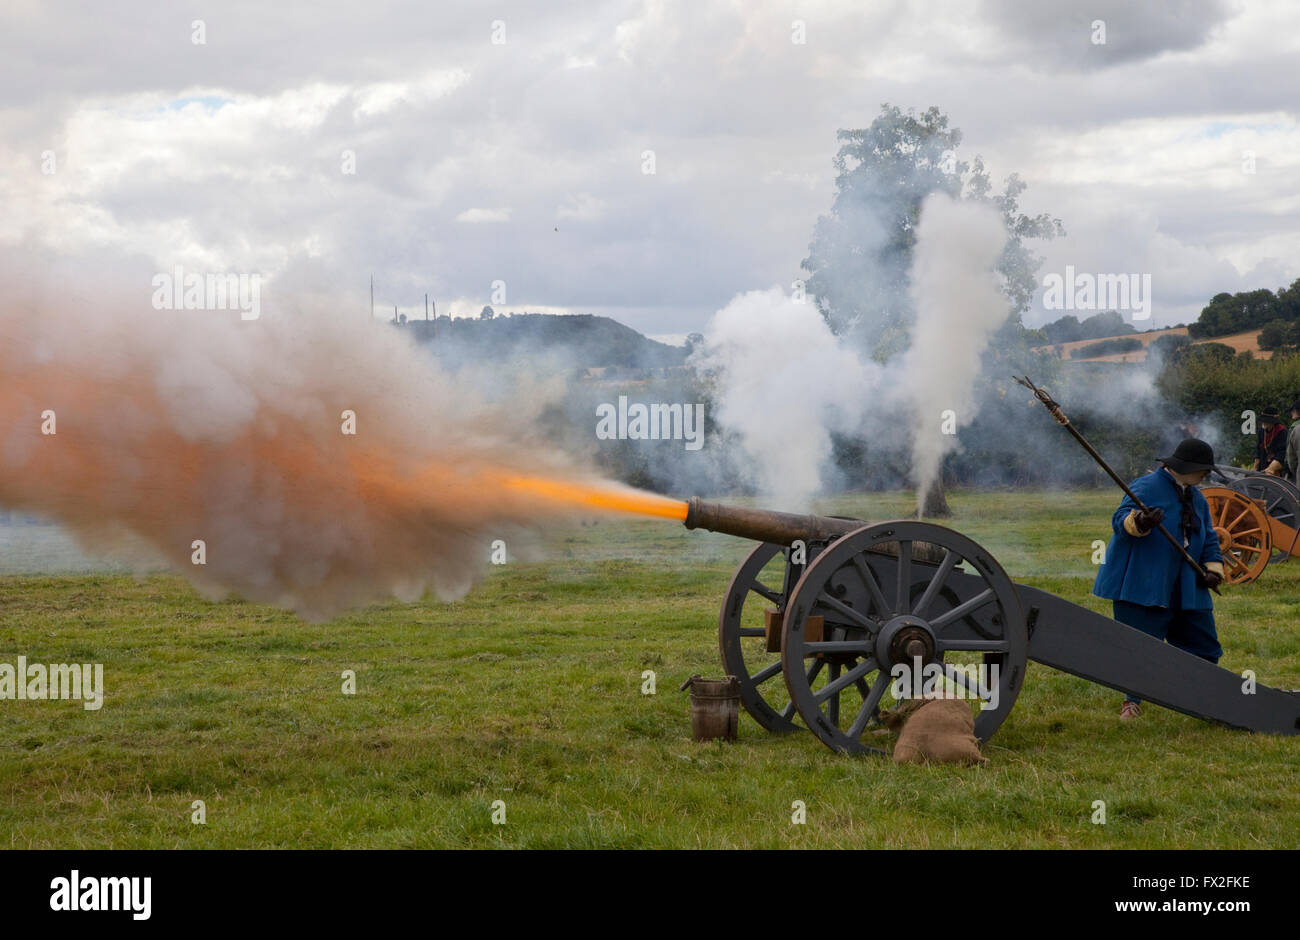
529,692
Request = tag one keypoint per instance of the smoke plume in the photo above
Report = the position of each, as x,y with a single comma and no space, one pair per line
958,305
784,383
181,427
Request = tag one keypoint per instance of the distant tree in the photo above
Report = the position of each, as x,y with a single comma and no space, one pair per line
1288,301
1065,330
1213,352
1106,347
1274,334
487,313
1245,310
1168,346
860,255
1101,325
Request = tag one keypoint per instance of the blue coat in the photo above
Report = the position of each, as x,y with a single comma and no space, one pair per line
1143,569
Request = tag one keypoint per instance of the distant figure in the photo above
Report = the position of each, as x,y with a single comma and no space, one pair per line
1270,450
1152,586
1181,432
1293,444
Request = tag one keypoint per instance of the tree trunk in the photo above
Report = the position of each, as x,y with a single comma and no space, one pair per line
936,505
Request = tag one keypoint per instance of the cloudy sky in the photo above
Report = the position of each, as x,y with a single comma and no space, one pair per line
444,146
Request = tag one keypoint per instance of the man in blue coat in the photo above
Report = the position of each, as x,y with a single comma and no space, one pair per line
1153,587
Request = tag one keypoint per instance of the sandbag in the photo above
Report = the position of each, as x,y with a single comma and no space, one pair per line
940,731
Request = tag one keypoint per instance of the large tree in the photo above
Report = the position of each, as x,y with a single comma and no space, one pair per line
860,256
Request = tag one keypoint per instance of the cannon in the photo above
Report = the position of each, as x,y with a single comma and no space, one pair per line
1257,518
834,606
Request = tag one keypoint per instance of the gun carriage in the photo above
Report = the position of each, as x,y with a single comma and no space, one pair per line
823,610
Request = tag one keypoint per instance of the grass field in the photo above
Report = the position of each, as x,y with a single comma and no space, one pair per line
529,692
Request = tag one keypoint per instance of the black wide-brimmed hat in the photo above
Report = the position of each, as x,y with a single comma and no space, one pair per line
1268,414
1190,456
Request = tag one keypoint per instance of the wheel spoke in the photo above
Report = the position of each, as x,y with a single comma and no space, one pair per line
766,673
844,610
872,585
1223,512
870,703
843,682
751,631
961,610
1245,532
961,679
761,589
937,582
833,706
811,674
904,576
1245,512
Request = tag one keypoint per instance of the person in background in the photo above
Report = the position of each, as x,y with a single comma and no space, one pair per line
1181,432
1151,584
1270,451
1293,444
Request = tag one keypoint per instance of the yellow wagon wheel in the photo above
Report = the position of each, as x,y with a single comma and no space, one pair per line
1243,530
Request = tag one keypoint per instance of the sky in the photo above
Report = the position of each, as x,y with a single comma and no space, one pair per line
500,153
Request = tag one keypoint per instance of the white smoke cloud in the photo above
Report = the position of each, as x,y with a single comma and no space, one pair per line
178,427
784,384
959,304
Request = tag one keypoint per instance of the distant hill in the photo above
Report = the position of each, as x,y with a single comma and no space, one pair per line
591,341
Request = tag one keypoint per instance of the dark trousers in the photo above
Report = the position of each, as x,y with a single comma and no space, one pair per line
1189,630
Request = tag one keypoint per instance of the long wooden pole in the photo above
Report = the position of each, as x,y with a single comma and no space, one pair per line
1055,410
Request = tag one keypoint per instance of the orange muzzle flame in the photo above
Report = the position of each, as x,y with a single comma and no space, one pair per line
593,496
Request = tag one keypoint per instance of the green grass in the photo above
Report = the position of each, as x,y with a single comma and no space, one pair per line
529,691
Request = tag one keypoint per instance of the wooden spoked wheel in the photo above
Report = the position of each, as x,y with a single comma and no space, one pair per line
1280,500
1243,531
757,586
874,611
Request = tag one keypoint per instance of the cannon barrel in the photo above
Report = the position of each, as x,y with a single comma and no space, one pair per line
761,525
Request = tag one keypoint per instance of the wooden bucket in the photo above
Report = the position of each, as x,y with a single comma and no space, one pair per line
715,707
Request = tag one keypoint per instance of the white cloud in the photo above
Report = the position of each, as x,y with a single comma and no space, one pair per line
232,155
584,207
484,215
382,97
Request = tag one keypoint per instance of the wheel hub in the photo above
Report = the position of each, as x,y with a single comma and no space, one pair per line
903,640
